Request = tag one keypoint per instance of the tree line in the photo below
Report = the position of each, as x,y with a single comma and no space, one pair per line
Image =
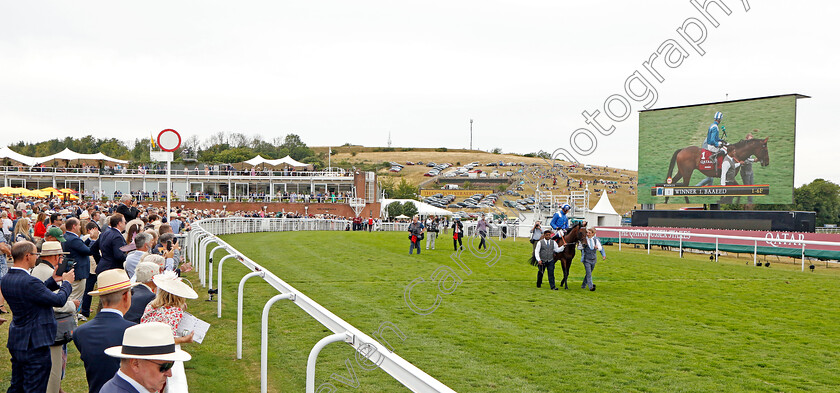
820,196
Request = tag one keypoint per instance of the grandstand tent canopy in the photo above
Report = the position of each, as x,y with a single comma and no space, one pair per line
423,209
5,152
258,160
69,155
287,160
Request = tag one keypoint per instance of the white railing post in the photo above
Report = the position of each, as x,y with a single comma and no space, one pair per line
219,284
681,251
648,247
313,357
803,257
716,249
239,311
755,253
202,273
264,339
210,260
619,240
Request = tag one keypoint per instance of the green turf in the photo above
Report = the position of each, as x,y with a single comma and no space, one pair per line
656,323
662,132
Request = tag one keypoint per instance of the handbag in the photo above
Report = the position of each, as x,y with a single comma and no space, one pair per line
66,325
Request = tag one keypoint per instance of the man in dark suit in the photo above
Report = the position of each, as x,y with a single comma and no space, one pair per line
33,327
146,355
110,242
127,208
93,230
144,293
78,252
106,330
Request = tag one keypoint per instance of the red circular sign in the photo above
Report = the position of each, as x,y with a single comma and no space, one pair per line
169,140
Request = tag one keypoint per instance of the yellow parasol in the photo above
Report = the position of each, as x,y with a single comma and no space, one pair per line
68,191
51,190
32,193
73,197
18,190
6,190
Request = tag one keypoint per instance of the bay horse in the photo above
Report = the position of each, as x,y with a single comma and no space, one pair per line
575,234
688,159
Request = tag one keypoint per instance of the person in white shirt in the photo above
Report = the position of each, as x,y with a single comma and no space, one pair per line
544,251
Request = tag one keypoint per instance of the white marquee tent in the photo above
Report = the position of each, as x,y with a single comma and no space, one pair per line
65,155
603,214
70,155
287,160
5,152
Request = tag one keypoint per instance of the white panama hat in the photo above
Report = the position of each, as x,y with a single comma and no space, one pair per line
150,341
170,282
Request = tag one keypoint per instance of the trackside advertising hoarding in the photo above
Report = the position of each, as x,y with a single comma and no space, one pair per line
770,243
677,161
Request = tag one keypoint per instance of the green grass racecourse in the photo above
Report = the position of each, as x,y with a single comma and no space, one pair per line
662,132
656,323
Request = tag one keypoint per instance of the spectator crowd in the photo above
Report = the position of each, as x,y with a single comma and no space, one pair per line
86,274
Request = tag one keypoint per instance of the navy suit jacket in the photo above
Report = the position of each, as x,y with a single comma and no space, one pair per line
109,246
140,297
118,385
79,252
32,301
129,213
104,331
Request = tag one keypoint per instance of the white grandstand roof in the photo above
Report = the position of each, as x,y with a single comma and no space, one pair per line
65,154
71,155
5,152
287,160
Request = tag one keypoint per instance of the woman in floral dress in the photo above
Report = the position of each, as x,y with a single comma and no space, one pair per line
168,307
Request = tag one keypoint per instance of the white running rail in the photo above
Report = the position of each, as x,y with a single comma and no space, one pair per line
205,232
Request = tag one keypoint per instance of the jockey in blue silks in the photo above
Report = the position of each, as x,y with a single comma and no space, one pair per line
560,223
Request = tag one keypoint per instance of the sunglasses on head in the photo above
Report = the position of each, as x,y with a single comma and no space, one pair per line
164,367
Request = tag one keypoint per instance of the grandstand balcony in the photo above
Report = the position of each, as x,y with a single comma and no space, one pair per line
209,183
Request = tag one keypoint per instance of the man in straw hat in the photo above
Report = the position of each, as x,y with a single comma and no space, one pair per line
146,355
106,330
33,327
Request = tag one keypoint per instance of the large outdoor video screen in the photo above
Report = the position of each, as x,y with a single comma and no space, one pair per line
758,136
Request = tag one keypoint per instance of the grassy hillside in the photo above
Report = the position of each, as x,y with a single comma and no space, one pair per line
623,200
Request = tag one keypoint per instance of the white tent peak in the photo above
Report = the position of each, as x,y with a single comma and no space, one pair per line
65,154
288,160
5,152
603,206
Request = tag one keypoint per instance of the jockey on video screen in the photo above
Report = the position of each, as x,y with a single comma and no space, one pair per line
715,143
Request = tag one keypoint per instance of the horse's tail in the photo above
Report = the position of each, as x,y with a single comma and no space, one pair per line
673,161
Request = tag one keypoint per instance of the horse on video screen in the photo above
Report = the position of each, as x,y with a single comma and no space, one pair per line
688,159
575,234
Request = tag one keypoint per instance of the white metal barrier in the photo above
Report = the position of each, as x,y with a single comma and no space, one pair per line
648,233
204,232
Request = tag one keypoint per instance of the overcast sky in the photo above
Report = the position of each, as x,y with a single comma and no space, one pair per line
353,71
